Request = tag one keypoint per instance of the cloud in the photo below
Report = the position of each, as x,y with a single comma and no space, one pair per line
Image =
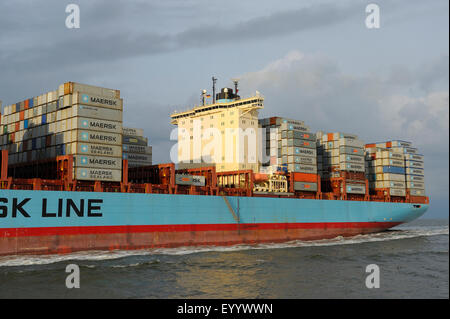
312,88
105,35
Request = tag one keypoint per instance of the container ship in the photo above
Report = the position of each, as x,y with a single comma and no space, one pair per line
73,178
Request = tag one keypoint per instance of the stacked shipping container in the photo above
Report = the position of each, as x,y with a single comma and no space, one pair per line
338,153
135,147
77,119
291,147
395,165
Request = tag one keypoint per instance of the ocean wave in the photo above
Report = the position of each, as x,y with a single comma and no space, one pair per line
396,234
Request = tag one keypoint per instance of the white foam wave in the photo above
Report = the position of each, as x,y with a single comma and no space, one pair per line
108,255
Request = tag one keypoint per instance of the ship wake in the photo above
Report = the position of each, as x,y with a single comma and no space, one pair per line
396,234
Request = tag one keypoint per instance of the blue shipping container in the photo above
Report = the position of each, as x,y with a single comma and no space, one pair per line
393,170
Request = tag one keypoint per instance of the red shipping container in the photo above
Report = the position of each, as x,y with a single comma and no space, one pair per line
22,115
305,177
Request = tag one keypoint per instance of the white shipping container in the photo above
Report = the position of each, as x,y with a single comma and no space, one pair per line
345,166
419,185
287,126
96,149
414,164
96,100
397,192
133,131
339,135
389,162
96,125
390,177
359,159
390,184
355,188
352,142
95,90
98,162
392,154
414,178
414,157
97,174
415,171
98,137
398,143
97,113
417,192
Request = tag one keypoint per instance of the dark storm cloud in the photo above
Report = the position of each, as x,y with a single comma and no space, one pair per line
104,35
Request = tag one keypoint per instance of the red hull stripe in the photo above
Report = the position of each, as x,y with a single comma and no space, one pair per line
83,230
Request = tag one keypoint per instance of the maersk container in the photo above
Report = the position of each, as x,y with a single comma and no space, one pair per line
392,154
355,188
305,186
301,160
390,177
133,131
414,157
414,178
350,142
96,149
419,185
302,151
417,192
98,137
299,135
389,162
281,120
414,164
97,174
96,125
407,150
414,171
96,100
397,192
98,162
294,127
358,159
398,143
97,112
71,87
137,157
390,184
351,150
300,143
345,166
302,168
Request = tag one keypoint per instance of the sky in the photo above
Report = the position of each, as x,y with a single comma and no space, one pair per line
314,61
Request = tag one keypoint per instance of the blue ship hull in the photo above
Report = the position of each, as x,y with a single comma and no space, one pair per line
36,222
